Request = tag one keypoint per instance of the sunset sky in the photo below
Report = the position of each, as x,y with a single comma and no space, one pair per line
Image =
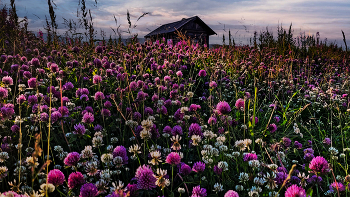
241,17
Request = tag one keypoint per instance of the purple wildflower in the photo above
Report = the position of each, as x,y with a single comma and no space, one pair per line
7,80
3,93
96,79
55,177
121,151
231,193
194,129
337,186
72,159
319,165
173,158
198,167
199,192
55,116
327,141
295,191
250,156
99,96
177,130
32,83
223,108
213,84
88,190
88,118
272,128
185,169
145,178
202,73
75,179
79,129
239,104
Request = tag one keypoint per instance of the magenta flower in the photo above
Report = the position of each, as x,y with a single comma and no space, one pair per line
99,96
295,191
79,129
194,129
337,186
198,167
88,118
327,141
21,98
96,79
145,178
185,169
173,158
231,193
240,104
177,130
55,177
199,192
72,159
319,165
121,151
75,179
212,120
272,128
213,84
250,156
223,108
202,73
32,83
55,116
7,80
88,190
3,93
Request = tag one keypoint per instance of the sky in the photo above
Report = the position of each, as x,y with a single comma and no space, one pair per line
241,17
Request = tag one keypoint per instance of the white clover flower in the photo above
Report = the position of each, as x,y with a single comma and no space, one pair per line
105,175
87,152
196,140
273,166
218,187
243,177
97,141
254,163
136,149
236,154
166,135
241,145
223,165
333,151
253,194
107,158
58,148
259,141
156,157
274,194
118,160
47,187
145,134
259,181
223,148
3,156
181,190
239,187
114,140
342,155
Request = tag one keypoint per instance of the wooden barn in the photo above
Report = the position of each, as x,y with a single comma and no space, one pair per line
193,28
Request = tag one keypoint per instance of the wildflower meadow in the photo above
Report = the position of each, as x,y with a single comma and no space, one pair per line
105,118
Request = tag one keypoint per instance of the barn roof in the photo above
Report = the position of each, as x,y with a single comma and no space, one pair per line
172,27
